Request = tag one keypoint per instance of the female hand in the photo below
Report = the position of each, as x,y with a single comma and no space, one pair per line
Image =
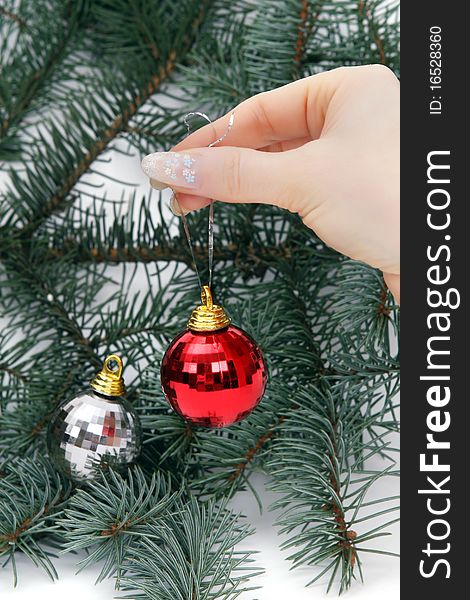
325,147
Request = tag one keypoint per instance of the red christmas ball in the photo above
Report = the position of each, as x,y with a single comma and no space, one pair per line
213,378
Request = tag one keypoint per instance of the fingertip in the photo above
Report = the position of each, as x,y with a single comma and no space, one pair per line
189,202
158,185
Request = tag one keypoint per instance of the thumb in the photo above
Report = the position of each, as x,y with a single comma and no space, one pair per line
230,174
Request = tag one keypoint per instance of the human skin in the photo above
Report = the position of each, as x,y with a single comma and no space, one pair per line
325,147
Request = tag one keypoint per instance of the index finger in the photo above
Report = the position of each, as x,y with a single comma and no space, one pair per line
293,111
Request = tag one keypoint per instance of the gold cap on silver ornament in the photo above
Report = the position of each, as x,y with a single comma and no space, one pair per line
109,380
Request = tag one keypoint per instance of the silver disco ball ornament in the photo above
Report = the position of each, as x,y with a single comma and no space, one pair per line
95,428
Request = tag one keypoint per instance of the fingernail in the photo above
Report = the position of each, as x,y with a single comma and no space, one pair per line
173,168
157,185
176,207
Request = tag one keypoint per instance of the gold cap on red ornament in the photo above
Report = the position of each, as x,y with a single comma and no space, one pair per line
208,316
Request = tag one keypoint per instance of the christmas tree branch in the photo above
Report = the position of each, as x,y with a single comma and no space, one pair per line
316,500
85,272
175,252
254,450
32,496
306,28
33,83
57,201
8,14
148,83
212,568
13,372
363,8
300,44
46,297
251,453
106,519
119,520
33,61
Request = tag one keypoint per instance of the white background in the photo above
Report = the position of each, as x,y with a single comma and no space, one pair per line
381,573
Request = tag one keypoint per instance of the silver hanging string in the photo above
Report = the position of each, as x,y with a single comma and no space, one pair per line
190,241
210,241
227,131
210,228
204,116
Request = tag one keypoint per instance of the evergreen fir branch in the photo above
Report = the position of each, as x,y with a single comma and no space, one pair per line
140,322
145,32
193,557
32,496
9,14
118,521
175,253
375,16
30,63
13,369
88,236
24,418
70,288
60,189
12,372
106,517
360,33
23,429
360,326
305,29
58,199
310,467
213,72
146,238
144,28
254,450
297,19
364,9
35,291
217,462
50,378
24,421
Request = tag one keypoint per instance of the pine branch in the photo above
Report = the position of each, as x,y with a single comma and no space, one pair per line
32,497
120,521
13,372
40,293
175,253
310,468
364,9
84,273
254,450
366,323
9,14
13,368
306,29
195,555
32,61
33,82
149,83
106,517
57,201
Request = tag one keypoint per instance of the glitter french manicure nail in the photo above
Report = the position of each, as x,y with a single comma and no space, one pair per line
176,207
176,169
